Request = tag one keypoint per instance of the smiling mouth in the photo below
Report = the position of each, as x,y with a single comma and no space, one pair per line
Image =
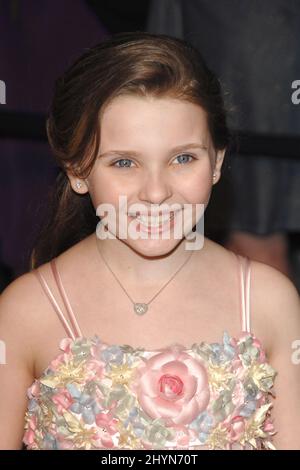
154,221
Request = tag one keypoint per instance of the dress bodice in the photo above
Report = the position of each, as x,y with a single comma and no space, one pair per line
99,396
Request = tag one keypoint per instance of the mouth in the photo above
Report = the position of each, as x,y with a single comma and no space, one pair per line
150,222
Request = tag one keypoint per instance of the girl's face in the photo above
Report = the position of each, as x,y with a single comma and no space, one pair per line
157,152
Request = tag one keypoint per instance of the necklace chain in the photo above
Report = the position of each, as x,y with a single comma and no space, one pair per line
136,305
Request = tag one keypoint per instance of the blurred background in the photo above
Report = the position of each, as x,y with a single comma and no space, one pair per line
254,49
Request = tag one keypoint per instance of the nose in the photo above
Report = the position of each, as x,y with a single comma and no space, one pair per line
155,188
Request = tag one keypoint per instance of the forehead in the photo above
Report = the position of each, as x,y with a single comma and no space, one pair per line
132,117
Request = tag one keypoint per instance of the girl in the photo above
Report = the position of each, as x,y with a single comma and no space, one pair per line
124,335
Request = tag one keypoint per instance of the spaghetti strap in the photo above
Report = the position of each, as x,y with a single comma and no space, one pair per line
72,332
244,278
63,294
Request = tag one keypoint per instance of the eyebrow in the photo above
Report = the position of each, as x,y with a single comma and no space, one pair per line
175,149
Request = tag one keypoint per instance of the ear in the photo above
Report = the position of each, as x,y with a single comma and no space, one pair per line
79,185
220,154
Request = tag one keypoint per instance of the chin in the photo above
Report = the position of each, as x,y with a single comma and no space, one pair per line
153,248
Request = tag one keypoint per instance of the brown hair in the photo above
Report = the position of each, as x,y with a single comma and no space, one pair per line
137,63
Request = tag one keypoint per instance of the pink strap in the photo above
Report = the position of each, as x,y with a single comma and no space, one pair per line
73,331
244,278
66,302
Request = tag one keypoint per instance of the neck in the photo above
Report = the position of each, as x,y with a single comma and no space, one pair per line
137,268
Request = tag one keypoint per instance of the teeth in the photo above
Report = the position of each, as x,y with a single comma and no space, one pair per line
154,221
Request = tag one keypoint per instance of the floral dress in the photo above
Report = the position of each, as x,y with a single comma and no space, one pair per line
99,396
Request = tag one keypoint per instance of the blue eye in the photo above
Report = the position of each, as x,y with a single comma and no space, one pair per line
123,160
186,155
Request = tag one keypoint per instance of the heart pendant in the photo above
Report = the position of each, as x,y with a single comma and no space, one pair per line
140,309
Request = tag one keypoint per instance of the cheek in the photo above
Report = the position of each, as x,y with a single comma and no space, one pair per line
103,190
198,188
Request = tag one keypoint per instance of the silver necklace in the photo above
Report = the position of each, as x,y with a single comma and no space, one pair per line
140,308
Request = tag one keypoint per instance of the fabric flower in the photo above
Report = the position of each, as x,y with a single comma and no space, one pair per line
156,433
263,376
236,428
107,428
83,403
222,352
81,348
203,425
248,408
249,350
31,425
183,435
50,442
112,355
63,400
238,394
172,385
135,420
223,406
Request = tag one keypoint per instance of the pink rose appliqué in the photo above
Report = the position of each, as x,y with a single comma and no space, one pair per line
172,385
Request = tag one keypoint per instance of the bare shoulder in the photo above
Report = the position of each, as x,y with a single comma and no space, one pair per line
19,311
20,325
23,305
17,296
276,302
273,290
